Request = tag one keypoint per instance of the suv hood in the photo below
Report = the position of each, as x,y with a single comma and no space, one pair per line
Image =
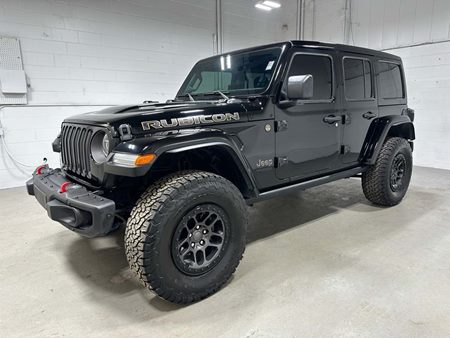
155,117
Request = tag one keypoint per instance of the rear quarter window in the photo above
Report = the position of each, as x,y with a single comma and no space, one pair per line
390,81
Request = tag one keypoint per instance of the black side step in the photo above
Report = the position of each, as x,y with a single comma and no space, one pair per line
306,184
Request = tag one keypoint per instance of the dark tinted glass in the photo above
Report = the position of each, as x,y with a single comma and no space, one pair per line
367,80
240,73
354,78
320,68
358,79
390,81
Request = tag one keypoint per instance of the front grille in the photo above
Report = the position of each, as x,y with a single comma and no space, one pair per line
76,148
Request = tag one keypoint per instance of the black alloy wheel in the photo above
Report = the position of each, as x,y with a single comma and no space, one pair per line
200,239
398,172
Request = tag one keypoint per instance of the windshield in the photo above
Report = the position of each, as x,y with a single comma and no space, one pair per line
234,74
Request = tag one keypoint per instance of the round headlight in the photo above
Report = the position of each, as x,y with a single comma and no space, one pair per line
100,147
105,145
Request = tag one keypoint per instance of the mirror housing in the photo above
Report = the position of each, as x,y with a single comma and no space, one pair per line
300,87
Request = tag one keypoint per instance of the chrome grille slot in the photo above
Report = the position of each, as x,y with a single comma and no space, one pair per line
75,148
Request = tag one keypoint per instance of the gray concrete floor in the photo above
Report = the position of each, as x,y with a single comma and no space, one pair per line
323,262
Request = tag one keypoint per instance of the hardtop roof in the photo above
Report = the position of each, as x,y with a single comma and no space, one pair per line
321,45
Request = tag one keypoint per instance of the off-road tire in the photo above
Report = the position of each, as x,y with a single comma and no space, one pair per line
151,225
376,181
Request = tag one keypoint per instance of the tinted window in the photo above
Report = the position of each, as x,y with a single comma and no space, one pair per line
390,81
358,79
208,80
320,68
368,80
234,74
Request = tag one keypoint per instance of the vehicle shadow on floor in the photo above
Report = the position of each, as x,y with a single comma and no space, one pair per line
298,209
102,262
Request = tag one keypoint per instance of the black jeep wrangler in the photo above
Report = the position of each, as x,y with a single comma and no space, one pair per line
245,126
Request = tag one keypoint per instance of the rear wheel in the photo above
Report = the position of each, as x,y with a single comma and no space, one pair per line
186,235
386,182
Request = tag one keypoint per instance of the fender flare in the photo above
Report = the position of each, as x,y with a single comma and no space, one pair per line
380,129
172,143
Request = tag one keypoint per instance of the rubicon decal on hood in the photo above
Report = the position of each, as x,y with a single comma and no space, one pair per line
190,121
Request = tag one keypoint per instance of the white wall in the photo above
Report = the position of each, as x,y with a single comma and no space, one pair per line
388,25
106,52
29,134
244,26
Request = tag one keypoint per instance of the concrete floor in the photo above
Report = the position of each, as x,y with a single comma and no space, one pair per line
319,263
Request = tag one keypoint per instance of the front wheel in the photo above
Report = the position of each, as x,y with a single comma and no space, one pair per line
186,235
386,182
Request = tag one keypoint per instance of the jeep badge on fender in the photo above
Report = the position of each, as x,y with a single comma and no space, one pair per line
180,175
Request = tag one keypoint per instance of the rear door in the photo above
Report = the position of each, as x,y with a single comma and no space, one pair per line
360,104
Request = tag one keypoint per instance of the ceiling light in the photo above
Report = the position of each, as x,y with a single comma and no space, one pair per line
271,4
263,7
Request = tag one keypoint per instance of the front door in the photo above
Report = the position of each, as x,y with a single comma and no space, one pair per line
360,105
309,131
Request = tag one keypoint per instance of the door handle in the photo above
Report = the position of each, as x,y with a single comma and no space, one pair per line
332,119
369,115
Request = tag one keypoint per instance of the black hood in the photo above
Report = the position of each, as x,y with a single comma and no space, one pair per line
139,116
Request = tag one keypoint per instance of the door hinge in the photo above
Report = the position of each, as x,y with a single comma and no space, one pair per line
344,149
345,119
281,125
280,161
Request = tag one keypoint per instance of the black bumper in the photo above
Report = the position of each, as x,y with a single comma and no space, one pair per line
78,209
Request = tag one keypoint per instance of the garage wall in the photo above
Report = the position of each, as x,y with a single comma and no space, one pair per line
244,26
80,55
419,32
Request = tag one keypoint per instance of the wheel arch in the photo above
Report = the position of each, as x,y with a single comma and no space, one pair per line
218,158
205,149
382,128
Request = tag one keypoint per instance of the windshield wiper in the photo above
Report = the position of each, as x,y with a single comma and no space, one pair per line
191,98
221,94
215,92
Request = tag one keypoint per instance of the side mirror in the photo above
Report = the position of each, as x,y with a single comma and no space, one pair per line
300,87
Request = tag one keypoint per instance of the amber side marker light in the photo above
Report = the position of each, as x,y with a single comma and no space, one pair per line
144,159
132,160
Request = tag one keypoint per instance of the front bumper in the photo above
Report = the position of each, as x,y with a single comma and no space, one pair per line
78,209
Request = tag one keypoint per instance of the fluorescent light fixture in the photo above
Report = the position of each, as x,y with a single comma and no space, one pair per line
263,7
272,4
222,63
228,62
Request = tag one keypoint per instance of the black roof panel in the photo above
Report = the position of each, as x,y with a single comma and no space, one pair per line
323,45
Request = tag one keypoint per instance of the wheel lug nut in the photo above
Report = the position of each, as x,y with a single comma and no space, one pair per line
202,242
193,244
190,235
204,231
197,227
